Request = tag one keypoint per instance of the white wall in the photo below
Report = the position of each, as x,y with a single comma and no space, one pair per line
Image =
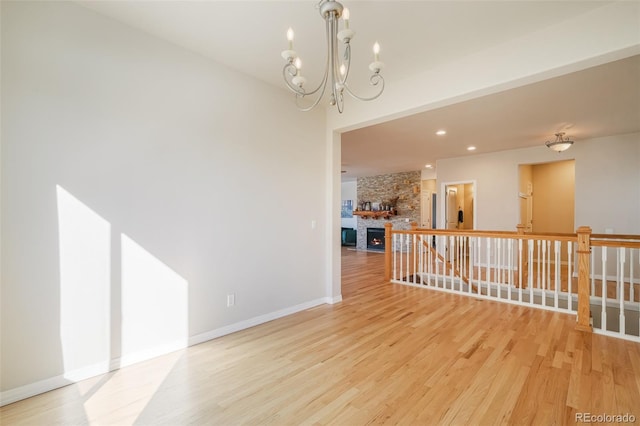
140,182
607,176
350,192
608,184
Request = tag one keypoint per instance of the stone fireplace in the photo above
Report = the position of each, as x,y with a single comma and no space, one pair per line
403,187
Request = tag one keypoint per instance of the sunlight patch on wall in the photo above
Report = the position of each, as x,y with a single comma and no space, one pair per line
85,280
154,305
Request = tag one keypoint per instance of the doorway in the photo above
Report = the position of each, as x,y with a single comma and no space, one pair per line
458,206
546,196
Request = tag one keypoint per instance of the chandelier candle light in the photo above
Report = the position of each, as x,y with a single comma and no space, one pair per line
336,72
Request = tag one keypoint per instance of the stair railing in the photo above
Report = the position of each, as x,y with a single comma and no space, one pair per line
548,271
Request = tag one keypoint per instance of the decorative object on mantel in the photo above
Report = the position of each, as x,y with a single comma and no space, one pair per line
336,70
560,144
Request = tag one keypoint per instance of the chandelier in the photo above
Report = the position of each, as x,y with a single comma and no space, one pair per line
336,70
560,144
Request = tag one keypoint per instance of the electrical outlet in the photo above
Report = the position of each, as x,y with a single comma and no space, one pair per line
231,300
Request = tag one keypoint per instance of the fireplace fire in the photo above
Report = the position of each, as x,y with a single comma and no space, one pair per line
375,239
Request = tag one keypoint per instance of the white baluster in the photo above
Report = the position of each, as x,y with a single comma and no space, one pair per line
604,289
631,276
488,267
510,266
557,283
621,262
413,258
437,258
452,259
539,265
570,273
593,273
520,264
548,265
430,264
400,255
465,256
499,267
471,261
530,280
544,272
407,241
479,260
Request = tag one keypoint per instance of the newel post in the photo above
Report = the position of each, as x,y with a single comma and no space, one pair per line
584,259
388,244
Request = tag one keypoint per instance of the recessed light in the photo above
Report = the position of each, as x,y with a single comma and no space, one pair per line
471,148
429,166
441,132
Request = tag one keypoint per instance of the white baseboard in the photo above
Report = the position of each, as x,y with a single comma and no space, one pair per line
32,389
23,392
333,300
252,322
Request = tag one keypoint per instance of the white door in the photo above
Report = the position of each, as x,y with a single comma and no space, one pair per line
425,210
452,211
526,208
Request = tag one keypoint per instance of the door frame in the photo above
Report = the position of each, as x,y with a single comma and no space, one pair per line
426,209
442,201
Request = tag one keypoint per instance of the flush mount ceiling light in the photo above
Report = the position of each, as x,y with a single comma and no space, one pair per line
441,132
560,144
337,66
471,148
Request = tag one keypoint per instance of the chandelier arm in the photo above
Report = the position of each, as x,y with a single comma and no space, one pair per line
375,80
287,70
347,59
314,104
323,83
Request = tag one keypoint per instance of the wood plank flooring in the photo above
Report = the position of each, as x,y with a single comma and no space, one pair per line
387,354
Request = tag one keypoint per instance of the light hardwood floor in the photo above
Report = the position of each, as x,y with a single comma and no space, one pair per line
387,354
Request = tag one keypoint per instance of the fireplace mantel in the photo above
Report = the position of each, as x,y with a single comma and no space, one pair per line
375,215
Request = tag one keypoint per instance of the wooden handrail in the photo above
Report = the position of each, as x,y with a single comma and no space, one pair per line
615,237
627,244
490,234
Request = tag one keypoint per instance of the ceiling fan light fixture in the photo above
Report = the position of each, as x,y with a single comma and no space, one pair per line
560,144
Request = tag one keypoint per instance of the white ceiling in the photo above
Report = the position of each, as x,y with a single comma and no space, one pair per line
598,101
248,36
